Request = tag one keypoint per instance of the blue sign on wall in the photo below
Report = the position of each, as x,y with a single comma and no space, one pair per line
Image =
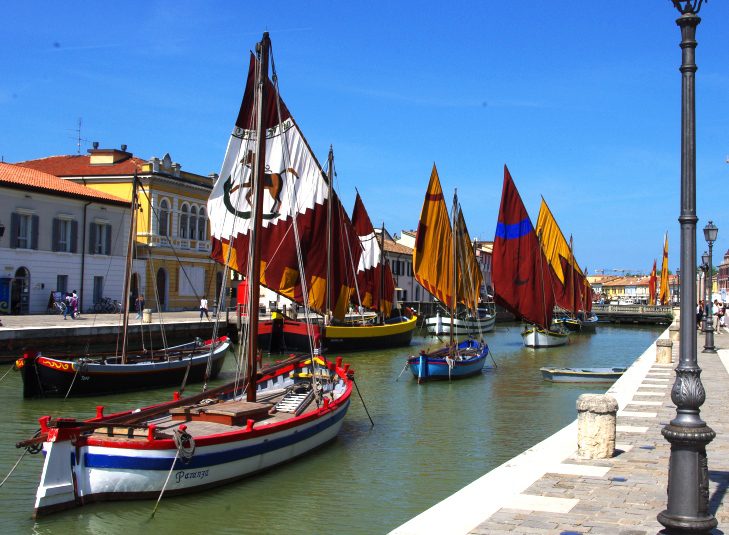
5,295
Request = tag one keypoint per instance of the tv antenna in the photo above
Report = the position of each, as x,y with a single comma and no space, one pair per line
78,137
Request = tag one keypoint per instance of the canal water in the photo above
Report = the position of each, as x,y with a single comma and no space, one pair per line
428,441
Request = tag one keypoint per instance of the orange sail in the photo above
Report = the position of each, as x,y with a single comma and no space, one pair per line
664,296
434,263
433,252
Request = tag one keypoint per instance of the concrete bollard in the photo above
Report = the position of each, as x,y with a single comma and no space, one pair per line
596,426
664,351
674,330
147,315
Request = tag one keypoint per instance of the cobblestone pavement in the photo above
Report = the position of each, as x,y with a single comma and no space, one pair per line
623,495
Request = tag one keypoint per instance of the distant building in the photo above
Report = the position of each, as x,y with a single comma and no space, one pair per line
172,227
722,277
634,289
60,236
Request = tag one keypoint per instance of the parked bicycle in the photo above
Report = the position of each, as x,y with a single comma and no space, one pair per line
57,308
107,306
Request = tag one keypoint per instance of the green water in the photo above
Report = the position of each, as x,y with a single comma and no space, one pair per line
428,441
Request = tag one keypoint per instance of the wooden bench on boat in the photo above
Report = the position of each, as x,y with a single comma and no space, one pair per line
227,413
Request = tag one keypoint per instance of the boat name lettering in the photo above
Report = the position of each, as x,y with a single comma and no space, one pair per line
183,474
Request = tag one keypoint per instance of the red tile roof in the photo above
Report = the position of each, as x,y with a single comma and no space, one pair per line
394,247
22,177
80,165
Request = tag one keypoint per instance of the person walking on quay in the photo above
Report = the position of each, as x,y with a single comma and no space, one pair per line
139,304
719,313
67,309
204,308
73,305
699,313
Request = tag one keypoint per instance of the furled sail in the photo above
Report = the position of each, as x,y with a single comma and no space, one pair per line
376,289
296,190
521,273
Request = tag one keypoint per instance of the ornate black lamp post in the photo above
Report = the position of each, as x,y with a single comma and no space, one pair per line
710,233
702,287
688,476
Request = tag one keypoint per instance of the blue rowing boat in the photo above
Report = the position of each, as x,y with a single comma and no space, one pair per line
468,358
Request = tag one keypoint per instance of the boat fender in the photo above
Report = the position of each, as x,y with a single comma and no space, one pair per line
185,443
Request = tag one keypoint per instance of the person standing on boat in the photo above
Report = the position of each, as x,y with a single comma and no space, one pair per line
139,305
204,308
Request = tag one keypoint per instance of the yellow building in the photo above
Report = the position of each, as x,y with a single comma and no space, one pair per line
172,269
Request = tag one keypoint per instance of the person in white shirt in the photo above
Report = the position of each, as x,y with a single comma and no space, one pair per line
204,308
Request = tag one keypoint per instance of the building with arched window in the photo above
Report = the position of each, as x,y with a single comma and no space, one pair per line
172,230
58,237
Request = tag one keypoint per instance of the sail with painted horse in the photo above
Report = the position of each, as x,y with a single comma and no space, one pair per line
521,273
263,417
442,265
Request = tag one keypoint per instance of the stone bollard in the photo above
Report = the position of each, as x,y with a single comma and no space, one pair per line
147,315
664,351
596,426
674,330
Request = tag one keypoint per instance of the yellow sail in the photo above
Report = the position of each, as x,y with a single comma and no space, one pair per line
553,242
470,277
433,252
663,294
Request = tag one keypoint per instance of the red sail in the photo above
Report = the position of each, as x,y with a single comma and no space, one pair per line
376,289
652,286
295,191
521,274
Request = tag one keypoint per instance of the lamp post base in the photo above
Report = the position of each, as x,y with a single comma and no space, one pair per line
708,349
688,481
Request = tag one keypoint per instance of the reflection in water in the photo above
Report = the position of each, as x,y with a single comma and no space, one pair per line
428,441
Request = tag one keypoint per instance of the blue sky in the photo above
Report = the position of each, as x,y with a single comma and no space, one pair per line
580,99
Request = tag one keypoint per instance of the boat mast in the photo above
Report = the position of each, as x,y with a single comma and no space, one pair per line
381,305
128,267
258,176
573,285
330,177
454,303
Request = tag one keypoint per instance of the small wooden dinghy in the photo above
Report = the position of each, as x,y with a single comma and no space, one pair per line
581,375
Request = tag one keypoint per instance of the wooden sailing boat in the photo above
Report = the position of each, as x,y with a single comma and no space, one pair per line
521,274
103,373
375,290
437,268
338,249
261,419
569,283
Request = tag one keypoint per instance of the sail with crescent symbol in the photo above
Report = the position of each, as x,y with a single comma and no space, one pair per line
296,191
521,273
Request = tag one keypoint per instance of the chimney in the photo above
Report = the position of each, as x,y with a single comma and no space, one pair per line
95,145
124,148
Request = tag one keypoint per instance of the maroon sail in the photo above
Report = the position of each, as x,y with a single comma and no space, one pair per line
376,289
521,274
